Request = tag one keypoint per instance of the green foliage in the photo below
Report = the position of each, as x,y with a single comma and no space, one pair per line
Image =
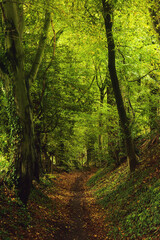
9,205
9,135
65,96
4,164
9,131
132,202
99,174
145,216
46,180
39,196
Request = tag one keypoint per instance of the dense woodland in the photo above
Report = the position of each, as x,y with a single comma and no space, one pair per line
79,86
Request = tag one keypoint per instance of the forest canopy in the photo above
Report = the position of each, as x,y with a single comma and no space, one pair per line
79,84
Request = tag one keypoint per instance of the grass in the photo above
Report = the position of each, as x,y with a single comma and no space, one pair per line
131,202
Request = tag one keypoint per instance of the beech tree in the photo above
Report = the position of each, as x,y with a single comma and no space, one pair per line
108,9
64,107
154,8
26,165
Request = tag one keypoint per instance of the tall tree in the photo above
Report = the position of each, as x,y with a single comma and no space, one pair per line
108,8
154,8
102,86
14,23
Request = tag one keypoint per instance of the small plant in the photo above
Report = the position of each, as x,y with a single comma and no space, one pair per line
99,174
132,201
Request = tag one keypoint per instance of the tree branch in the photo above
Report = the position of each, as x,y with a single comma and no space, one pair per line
52,58
54,38
40,50
136,80
86,90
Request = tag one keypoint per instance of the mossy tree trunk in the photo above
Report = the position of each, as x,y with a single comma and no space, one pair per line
154,9
108,15
26,162
153,105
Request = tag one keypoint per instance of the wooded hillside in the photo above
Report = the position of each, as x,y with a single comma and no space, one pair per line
79,87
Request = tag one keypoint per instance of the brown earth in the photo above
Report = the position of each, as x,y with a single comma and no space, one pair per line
63,210
82,219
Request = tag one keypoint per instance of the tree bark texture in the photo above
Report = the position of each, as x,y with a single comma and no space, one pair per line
40,50
100,137
108,14
153,106
154,10
26,161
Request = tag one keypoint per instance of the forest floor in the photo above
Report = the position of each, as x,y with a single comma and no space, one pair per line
109,203
80,218
61,209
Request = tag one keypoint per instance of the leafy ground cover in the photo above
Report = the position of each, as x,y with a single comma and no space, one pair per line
132,202
62,207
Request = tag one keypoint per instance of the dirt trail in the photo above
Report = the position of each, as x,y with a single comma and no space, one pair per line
62,209
80,217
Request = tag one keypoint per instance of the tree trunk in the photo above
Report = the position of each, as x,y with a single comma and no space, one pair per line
90,150
89,155
26,161
100,137
61,154
154,10
102,84
108,14
153,106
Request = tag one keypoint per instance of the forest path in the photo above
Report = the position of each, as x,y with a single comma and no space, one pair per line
77,215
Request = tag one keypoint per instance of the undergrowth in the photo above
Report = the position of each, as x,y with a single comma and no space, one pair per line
17,220
131,202
13,214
